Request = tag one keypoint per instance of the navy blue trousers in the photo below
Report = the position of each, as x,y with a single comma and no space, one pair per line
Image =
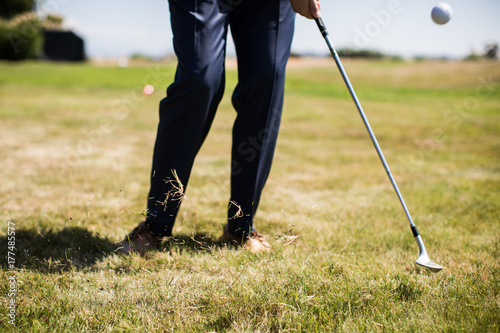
262,31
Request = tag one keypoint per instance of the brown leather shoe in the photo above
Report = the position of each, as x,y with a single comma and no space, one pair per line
140,240
255,243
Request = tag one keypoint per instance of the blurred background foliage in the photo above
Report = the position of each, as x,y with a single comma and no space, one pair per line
21,29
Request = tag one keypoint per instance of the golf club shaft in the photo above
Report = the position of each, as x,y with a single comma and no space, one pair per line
326,36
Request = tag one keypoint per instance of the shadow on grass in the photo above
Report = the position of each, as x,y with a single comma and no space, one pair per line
76,248
50,251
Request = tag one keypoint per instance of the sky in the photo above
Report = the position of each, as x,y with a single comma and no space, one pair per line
116,28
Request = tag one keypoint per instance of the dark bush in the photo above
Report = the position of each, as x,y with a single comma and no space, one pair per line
21,38
355,53
11,8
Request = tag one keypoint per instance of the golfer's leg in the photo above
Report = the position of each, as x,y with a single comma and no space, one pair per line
262,31
199,31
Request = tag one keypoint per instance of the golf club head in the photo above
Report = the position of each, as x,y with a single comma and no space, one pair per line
423,259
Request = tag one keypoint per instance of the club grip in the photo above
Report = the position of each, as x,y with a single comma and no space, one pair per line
321,26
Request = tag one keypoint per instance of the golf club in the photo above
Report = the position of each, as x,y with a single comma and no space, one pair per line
423,258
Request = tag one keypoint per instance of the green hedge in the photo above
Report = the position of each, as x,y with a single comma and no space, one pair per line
21,38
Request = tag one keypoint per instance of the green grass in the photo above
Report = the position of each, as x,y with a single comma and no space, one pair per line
75,152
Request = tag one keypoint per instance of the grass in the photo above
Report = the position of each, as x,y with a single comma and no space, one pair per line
76,144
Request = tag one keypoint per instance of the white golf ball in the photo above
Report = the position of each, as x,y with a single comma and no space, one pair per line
441,13
122,62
